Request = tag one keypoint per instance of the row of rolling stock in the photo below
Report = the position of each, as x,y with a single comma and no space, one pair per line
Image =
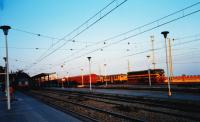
21,80
136,77
132,78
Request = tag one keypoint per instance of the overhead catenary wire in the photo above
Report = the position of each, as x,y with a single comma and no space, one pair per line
163,47
126,38
157,49
139,27
58,39
35,34
97,50
89,26
84,30
145,51
186,37
183,63
63,38
38,48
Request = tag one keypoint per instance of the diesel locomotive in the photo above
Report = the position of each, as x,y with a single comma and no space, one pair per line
142,77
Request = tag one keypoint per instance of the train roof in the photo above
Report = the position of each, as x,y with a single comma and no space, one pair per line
151,70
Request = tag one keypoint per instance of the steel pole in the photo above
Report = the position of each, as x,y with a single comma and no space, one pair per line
68,79
90,75
170,61
82,76
149,70
149,77
153,54
62,83
129,69
167,66
7,74
105,74
5,77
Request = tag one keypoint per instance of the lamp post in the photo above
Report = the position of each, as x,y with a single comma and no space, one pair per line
82,76
149,70
5,29
165,36
89,59
170,60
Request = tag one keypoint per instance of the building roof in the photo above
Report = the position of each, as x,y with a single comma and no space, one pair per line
42,75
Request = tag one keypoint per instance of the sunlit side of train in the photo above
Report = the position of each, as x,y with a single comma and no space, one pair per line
81,79
156,76
112,79
135,77
186,79
97,79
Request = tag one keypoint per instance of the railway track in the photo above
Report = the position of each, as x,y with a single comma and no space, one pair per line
118,107
85,112
171,104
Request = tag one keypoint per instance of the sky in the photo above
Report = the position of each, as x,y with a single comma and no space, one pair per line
39,42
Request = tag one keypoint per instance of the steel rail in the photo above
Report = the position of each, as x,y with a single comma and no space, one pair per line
91,108
148,102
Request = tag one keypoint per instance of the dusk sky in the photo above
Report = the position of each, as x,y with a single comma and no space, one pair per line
38,24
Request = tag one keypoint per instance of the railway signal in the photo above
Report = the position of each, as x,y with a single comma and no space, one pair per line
5,29
165,36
